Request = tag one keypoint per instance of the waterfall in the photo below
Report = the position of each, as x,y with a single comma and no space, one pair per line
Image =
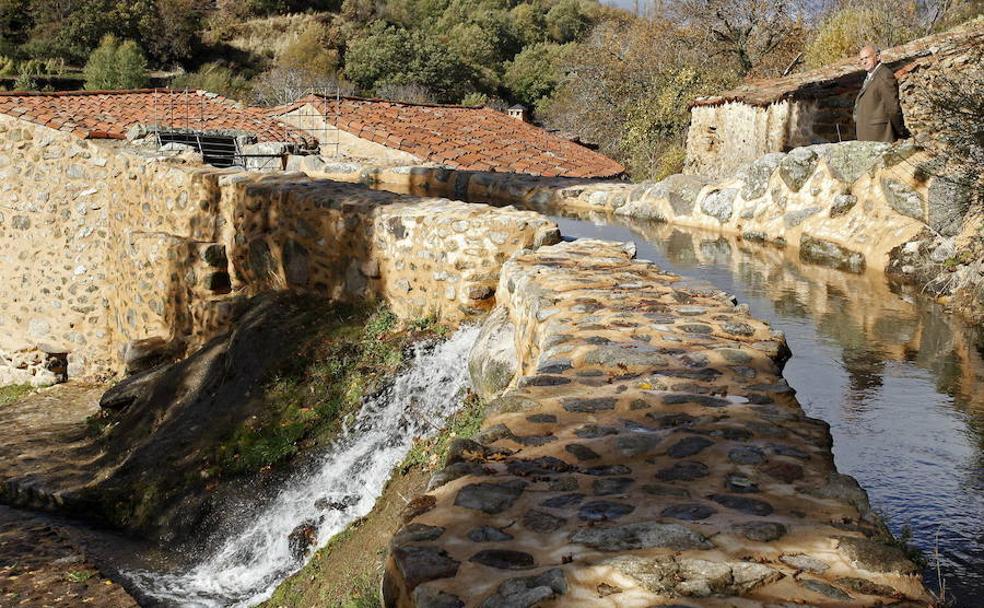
343,486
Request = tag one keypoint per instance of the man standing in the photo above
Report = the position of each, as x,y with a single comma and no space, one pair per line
877,113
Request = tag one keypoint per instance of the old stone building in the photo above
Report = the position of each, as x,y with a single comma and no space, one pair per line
732,129
118,243
383,132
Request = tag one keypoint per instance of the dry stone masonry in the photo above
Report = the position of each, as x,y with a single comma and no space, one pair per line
646,452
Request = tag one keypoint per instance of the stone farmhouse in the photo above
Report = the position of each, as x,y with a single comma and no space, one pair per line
732,129
377,131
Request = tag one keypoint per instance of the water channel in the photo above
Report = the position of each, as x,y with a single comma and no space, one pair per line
898,379
900,382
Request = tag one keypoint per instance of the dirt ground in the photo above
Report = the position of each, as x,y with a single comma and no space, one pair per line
42,566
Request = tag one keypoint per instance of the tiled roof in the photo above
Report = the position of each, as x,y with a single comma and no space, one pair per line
109,114
476,139
828,80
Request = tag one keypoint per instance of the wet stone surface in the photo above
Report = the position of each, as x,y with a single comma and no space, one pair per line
677,458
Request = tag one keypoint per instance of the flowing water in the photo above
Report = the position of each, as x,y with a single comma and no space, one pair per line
342,486
900,381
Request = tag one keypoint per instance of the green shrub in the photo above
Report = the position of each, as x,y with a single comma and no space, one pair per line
536,72
8,66
27,74
215,78
115,65
310,52
387,56
475,100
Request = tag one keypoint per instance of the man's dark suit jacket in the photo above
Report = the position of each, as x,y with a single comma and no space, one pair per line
877,113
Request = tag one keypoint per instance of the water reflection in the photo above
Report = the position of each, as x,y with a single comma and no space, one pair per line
897,378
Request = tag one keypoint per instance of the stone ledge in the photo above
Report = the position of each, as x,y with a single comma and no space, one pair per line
648,451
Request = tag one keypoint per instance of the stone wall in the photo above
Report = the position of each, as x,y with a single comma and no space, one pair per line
647,452
422,255
847,205
519,189
723,138
113,256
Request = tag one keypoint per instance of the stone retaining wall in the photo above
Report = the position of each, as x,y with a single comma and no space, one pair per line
647,452
844,205
114,257
528,191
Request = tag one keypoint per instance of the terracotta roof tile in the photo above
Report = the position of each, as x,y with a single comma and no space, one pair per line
478,139
109,114
827,80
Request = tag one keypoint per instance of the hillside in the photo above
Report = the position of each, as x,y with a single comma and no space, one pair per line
617,79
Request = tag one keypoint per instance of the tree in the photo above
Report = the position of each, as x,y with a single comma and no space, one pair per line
170,29
530,21
534,74
115,66
627,88
282,85
567,21
15,21
748,32
845,31
389,55
484,43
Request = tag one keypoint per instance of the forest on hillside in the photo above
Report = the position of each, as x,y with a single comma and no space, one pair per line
618,78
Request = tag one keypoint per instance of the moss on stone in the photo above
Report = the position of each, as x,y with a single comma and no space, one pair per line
346,573
427,454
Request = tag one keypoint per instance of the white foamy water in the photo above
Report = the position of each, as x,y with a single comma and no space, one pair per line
246,568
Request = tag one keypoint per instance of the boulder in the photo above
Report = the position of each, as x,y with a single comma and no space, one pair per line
903,198
719,204
797,167
680,191
826,253
849,160
755,177
493,362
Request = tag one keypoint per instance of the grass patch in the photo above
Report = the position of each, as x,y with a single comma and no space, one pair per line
9,394
347,572
430,453
349,354
79,576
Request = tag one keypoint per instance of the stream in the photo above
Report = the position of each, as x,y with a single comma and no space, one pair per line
900,381
340,487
